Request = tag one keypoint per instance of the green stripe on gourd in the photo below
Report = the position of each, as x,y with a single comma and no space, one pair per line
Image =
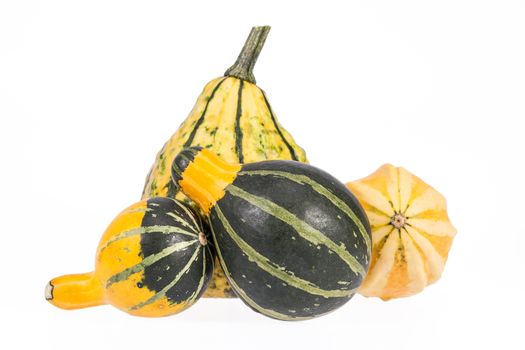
198,123
265,264
276,126
148,261
302,179
190,214
194,295
302,228
242,293
145,230
162,292
182,222
238,130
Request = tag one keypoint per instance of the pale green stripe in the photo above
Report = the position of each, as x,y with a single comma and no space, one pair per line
302,179
188,212
138,210
193,296
164,290
181,221
147,261
280,273
243,294
147,229
302,228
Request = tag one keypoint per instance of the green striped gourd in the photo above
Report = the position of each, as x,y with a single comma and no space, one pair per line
293,241
233,118
153,260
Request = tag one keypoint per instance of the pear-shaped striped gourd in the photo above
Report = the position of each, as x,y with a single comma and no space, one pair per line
411,232
233,118
153,260
293,241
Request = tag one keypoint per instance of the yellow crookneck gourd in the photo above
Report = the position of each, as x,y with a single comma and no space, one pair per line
411,232
153,260
233,118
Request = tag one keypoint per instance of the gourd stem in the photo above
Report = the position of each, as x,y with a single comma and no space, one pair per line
75,291
202,176
243,67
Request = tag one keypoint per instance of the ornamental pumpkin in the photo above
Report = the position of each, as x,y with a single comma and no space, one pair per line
411,232
233,118
293,241
153,260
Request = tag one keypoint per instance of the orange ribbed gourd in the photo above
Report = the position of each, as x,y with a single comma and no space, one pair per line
411,232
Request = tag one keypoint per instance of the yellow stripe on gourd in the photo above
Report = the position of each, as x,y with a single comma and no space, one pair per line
398,274
433,227
378,220
381,263
428,252
429,200
440,243
379,233
405,188
417,277
220,116
261,139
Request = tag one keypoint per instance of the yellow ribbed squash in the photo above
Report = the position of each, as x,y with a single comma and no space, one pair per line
233,118
411,232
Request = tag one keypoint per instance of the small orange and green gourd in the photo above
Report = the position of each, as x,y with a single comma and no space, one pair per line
153,260
411,232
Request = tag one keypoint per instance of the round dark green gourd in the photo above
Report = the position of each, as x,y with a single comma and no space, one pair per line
293,241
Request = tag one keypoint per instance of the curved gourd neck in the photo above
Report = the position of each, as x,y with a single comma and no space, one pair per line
203,176
75,291
243,67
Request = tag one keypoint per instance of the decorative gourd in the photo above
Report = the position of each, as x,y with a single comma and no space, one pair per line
293,241
233,118
411,232
153,260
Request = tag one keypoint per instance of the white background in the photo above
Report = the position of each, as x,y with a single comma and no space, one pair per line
89,92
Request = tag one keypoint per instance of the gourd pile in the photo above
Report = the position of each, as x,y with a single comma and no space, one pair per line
231,208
